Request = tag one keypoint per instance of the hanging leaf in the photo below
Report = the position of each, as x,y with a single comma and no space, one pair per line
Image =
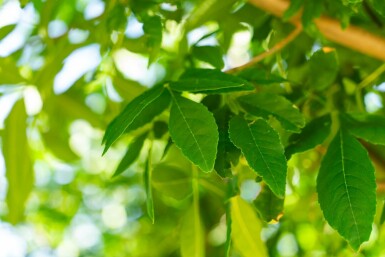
131,155
137,113
246,229
367,127
269,205
314,133
263,150
293,9
382,219
193,129
209,54
346,189
209,81
266,104
147,185
18,163
260,76
192,242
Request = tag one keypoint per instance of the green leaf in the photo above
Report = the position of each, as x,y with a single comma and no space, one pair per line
152,27
137,113
323,62
147,185
262,148
311,11
18,163
260,76
246,229
367,127
266,104
172,181
227,153
172,177
4,31
378,6
295,6
209,54
269,205
131,155
192,242
193,129
313,134
346,189
209,81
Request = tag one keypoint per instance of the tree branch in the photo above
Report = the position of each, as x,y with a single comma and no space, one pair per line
352,37
269,52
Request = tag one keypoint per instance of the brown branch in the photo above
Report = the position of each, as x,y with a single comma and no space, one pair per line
352,37
269,52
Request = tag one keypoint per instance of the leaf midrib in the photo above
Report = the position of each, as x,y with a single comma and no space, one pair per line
263,158
243,226
190,131
346,185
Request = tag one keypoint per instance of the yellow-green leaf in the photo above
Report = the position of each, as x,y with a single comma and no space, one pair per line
18,164
246,229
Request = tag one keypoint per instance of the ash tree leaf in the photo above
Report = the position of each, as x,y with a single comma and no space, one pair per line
227,153
378,6
152,27
262,148
370,128
193,129
137,113
321,63
131,155
266,104
209,54
346,189
313,134
209,81
192,241
246,229
18,162
269,205
382,219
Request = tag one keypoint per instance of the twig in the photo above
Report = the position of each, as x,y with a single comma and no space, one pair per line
352,37
269,52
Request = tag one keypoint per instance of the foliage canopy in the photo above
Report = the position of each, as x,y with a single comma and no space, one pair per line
231,128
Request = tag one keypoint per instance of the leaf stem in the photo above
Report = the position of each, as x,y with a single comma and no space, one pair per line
365,83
